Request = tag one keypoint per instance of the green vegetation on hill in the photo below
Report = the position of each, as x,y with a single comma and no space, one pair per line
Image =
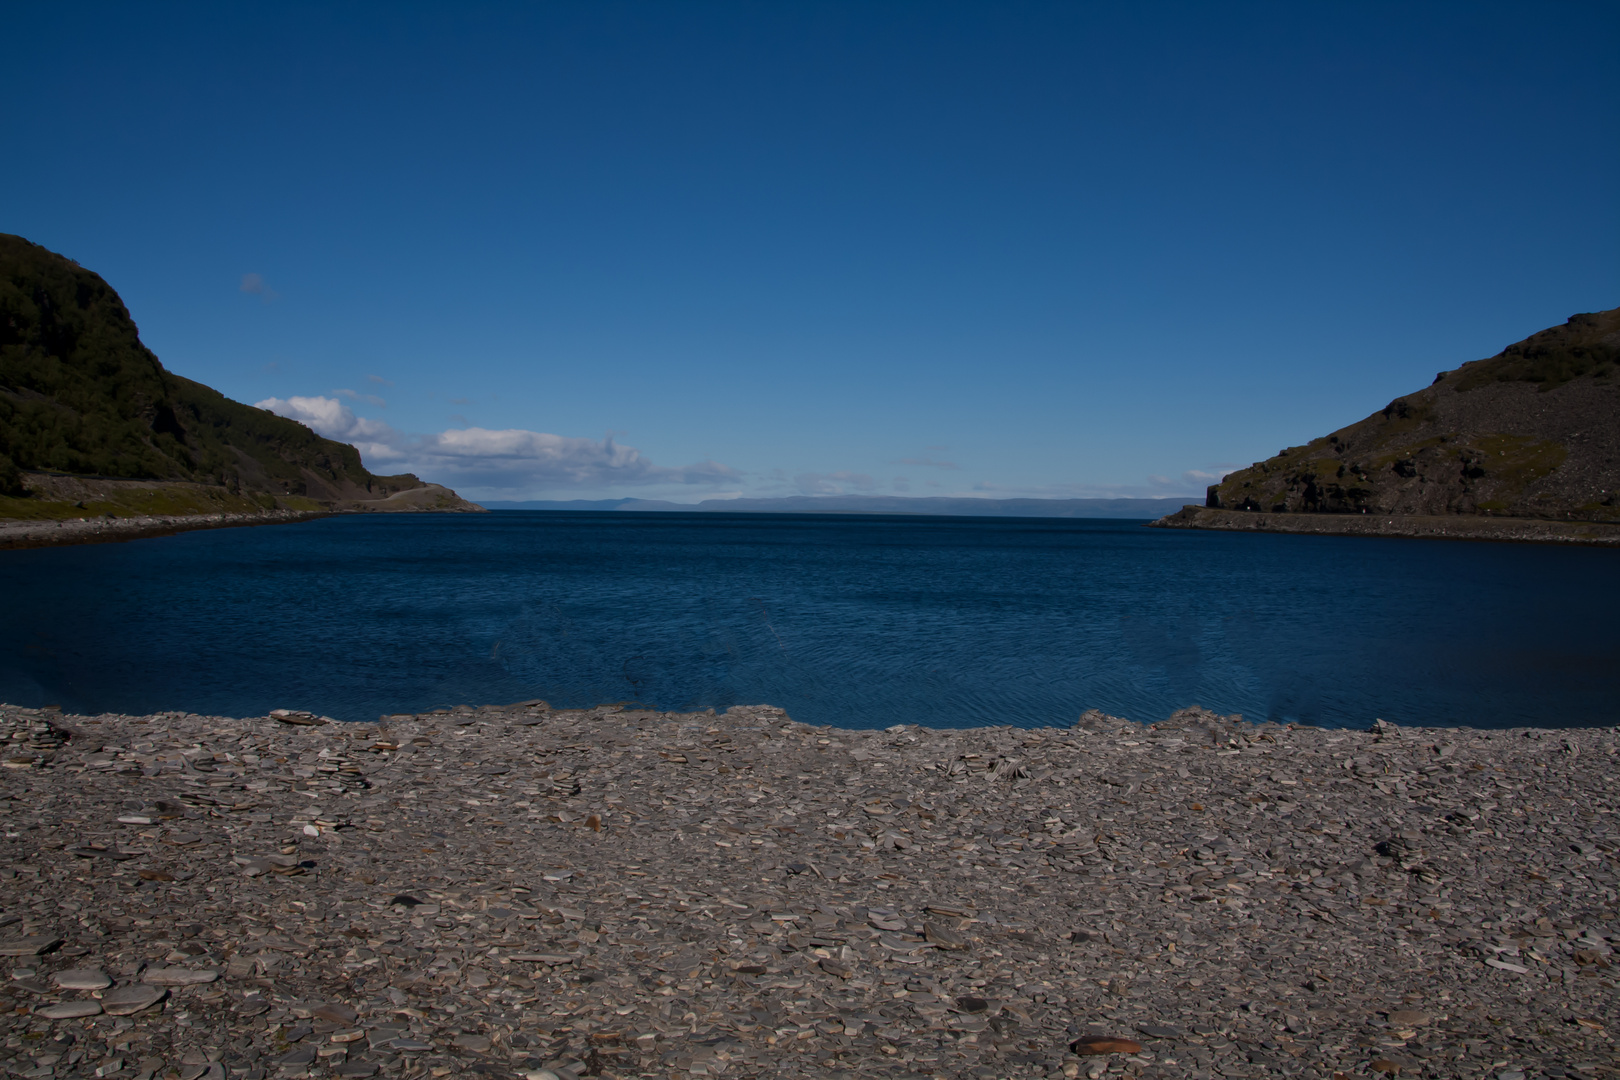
1588,344
1529,433
80,394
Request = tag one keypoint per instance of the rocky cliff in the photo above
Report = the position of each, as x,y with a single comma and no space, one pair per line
1531,433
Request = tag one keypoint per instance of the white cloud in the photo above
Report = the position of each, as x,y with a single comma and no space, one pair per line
533,459
509,462
327,416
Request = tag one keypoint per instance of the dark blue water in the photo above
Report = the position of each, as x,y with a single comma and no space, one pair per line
858,621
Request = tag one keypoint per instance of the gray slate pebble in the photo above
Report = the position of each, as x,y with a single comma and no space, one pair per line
521,891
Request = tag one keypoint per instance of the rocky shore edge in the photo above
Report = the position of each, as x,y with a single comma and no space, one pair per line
106,530
524,891
1437,527
112,528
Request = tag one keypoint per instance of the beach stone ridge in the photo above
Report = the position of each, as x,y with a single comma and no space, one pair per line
529,891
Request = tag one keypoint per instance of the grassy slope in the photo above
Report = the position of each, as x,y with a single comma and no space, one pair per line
1527,432
80,394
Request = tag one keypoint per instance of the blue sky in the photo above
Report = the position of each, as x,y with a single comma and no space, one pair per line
683,250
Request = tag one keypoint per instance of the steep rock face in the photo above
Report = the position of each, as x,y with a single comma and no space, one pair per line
1533,432
80,395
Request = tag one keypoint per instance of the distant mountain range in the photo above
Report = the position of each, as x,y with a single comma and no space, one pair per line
90,420
874,504
1531,434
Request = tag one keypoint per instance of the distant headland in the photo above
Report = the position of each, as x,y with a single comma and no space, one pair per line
940,506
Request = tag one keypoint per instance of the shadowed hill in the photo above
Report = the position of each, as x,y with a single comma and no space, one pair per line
80,395
1531,433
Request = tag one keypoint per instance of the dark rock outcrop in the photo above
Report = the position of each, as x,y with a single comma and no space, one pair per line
1532,433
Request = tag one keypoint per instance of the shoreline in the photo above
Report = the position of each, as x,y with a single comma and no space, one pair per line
1408,526
106,529
520,891
15,534
26,533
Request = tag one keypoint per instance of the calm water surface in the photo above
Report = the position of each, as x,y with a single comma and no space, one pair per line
858,621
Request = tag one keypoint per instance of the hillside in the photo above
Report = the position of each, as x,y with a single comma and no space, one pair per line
1531,433
81,398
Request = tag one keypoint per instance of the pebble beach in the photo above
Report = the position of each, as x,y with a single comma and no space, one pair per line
527,892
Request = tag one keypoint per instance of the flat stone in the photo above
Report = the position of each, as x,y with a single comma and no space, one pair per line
298,718
179,976
1409,1018
943,937
87,851
82,979
1098,1044
37,945
69,1010
336,1011
127,1000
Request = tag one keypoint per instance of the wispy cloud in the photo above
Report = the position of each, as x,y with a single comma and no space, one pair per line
507,461
930,463
1192,479
255,285
834,483
379,380
370,399
1152,489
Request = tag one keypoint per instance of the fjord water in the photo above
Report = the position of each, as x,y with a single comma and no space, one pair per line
851,620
